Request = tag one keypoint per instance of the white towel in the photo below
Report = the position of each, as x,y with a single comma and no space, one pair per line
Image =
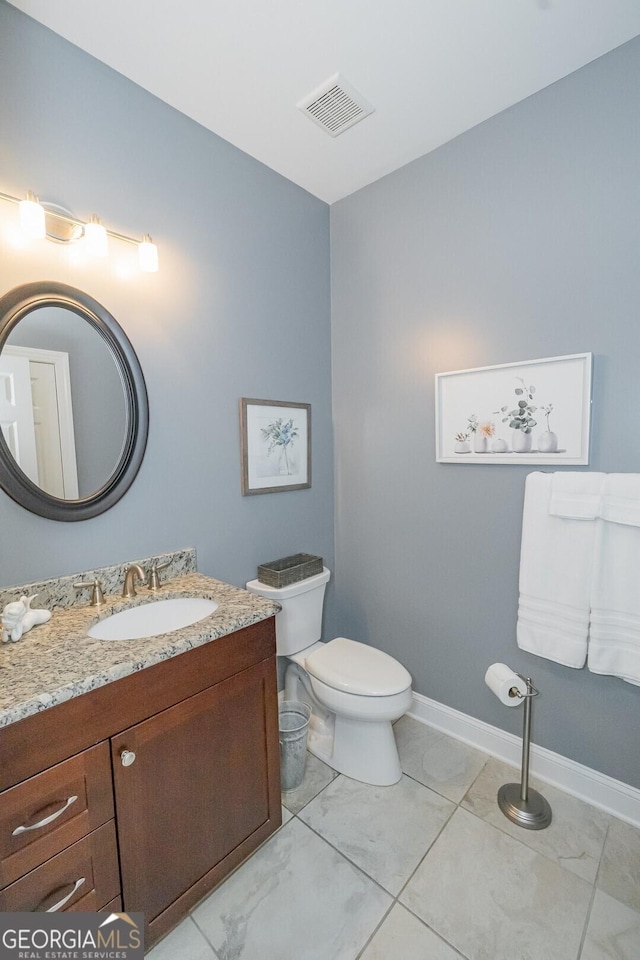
555,579
576,496
621,498
614,642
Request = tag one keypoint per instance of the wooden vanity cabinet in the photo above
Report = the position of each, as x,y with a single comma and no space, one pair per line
186,758
195,799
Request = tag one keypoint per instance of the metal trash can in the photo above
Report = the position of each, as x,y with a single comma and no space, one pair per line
294,719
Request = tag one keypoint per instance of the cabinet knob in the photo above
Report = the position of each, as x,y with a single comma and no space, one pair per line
127,757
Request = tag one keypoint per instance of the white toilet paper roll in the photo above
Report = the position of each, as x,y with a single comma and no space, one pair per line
501,680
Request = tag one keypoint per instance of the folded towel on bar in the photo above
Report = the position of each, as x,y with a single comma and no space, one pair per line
555,579
614,638
621,499
576,496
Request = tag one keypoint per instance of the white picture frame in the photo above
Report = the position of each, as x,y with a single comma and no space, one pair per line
549,399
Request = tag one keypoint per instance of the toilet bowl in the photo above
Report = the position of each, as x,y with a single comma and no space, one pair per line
355,691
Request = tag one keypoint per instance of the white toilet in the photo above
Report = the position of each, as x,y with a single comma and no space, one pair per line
355,691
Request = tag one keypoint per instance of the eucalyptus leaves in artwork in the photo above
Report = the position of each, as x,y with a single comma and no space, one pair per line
521,418
280,433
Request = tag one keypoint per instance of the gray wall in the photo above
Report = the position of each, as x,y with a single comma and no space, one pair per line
518,240
240,307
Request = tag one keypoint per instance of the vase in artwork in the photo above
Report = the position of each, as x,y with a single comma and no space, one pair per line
480,443
520,441
499,446
548,442
284,466
462,446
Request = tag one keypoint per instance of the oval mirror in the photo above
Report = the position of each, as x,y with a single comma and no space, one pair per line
73,403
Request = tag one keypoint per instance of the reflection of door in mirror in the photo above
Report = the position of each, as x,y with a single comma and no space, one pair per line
16,413
99,421
52,416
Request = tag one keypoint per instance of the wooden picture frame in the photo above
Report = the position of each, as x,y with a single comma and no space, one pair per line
275,446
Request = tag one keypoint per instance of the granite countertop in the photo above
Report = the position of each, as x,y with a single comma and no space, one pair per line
57,661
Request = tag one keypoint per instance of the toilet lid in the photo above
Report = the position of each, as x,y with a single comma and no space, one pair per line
357,668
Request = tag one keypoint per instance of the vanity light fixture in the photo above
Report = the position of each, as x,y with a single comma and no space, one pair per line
32,221
148,255
95,237
36,222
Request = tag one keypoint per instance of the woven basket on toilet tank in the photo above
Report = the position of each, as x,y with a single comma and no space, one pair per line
288,570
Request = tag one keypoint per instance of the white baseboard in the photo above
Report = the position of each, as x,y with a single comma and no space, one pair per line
613,796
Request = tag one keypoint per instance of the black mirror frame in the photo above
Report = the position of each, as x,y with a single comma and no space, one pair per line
14,305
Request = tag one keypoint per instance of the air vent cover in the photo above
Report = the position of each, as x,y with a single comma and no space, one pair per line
335,105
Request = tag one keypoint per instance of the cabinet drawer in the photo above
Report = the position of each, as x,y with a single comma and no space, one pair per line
114,906
86,871
41,816
90,904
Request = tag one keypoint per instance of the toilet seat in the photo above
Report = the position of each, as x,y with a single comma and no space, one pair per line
357,668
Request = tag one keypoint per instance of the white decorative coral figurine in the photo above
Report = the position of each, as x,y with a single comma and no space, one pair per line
18,618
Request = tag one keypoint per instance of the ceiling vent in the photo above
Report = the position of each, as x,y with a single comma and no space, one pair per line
335,106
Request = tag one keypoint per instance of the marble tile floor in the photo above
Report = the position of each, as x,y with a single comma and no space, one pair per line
428,869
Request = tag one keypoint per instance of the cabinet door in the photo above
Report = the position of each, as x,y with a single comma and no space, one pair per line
204,784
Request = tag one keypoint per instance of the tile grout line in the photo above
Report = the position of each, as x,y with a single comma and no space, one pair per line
395,901
501,825
395,897
457,805
203,934
593,895
374,932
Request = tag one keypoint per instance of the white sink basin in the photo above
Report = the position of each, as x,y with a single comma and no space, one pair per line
151,619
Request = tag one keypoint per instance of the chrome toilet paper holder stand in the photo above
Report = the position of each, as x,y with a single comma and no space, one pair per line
519,802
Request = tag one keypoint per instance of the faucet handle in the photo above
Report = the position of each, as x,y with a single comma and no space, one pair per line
97,596
153,578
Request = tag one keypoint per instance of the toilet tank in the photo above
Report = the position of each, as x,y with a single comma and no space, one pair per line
299,623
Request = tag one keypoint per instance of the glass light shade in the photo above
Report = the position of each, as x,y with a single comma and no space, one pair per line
32,218
95,238
148,255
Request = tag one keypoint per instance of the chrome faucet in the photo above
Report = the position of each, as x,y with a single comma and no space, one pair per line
135,570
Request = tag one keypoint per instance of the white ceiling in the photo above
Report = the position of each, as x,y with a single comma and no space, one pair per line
431,68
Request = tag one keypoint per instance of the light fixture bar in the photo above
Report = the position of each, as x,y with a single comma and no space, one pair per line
146,254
